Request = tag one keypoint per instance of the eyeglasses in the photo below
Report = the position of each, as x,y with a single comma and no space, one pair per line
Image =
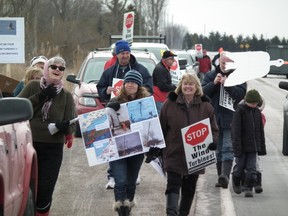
37,57
54,67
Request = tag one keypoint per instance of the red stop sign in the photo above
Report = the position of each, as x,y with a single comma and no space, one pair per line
118,86
198,47
129,21
174,66
196,134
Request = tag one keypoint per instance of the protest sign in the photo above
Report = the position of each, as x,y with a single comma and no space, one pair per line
110,135
196,139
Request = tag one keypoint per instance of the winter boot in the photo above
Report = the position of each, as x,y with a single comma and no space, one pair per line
226,170
172,200
127,206
218,167
236,183
119,208
258,185
248,190
42,214
185,205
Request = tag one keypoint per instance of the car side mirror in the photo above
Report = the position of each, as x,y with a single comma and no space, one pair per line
72,78
14,109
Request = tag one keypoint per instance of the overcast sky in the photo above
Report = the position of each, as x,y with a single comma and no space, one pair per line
246,17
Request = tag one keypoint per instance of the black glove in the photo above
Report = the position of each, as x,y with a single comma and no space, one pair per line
212,146
48,93
114,105
152,154
62,125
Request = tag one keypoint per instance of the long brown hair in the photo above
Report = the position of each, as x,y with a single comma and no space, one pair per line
124,97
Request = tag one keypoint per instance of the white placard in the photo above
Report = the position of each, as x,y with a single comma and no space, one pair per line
196,139
12,33
110,135
128,27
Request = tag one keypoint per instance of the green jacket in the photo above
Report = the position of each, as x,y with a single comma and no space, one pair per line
62,108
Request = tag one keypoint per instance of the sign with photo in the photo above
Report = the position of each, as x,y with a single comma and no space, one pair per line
196,139
12,44
110,135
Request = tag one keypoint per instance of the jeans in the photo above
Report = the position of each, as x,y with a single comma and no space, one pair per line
224,150
247,161
158,107
109,172
125,172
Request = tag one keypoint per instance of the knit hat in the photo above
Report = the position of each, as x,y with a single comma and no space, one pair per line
133,76
252,96
122,46
38,59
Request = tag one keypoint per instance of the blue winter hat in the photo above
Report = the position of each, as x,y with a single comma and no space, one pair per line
122,46
133,76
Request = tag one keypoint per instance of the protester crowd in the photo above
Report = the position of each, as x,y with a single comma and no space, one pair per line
237,131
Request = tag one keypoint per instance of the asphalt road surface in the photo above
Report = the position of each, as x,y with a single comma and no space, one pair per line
80,190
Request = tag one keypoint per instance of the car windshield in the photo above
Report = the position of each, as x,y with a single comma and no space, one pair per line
95,67
186,56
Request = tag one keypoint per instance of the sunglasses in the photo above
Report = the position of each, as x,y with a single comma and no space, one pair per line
54,67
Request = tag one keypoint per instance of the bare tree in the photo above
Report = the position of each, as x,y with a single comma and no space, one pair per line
151,11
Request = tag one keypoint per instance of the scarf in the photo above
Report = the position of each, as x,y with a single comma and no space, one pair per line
47,104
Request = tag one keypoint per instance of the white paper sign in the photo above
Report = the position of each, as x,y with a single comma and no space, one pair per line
128,27
12,41
249,66
110,135
196,139
225,100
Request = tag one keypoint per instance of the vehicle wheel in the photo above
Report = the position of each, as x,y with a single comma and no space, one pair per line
30,207
78,131
285,133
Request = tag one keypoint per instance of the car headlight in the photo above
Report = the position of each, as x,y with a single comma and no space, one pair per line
87,101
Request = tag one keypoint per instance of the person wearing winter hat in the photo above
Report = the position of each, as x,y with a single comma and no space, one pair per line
162,79
125,171
248,141
52,104
125,61
38,62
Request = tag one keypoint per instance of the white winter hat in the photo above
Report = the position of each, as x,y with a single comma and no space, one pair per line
38,59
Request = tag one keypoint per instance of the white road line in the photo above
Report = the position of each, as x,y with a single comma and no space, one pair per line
227,205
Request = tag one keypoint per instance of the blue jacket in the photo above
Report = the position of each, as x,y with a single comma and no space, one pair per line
224,116
115,72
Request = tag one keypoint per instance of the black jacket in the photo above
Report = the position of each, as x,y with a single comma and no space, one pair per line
223,115
248,131
115,72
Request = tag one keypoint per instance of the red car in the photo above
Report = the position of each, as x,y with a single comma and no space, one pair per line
18,159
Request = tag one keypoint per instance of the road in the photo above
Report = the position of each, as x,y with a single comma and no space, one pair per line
80,190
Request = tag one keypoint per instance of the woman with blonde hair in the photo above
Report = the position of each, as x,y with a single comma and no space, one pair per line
184,107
